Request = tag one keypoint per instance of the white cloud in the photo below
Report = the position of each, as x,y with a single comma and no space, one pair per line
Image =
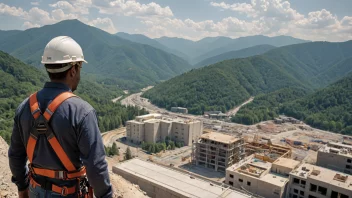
27,25
104,24
79,6
239,7
132,8
318,20
35,3
13,11
59,15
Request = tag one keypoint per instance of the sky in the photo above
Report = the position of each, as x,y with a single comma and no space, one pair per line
323,20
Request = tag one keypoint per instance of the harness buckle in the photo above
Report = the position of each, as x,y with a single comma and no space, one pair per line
64,191
60,175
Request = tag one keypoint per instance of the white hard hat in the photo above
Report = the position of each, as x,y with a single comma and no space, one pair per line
61,50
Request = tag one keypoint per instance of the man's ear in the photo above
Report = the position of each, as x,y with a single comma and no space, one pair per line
73,71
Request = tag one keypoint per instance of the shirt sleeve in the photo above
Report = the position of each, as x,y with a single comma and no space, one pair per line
93,155
18,158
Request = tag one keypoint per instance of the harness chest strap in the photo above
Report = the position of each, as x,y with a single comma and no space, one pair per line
34,106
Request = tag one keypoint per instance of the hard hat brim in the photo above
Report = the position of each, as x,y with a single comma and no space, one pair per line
63,61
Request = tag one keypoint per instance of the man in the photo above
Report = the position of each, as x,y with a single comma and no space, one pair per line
58,133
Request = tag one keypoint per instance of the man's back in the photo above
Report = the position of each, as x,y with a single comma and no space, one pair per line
75,126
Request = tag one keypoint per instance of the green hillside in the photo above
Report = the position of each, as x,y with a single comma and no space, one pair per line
228,83
267,106
110,58
139,38
221,86
19,80
328,109
243,53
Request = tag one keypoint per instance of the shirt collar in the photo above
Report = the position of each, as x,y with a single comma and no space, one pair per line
57,86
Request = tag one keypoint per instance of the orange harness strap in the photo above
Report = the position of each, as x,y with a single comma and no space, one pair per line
59,174
60,190
51,138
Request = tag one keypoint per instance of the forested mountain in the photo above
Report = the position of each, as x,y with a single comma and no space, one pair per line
221,86
228,83
110,58
19,80
6,33
139,38
250,41
213,46
329,108
243,53
267,106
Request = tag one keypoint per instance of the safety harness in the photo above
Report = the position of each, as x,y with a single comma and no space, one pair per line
42,127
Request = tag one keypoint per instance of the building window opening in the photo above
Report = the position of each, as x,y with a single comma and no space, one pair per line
313,187
248,183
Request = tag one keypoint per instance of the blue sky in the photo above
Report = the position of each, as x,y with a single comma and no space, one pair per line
329,20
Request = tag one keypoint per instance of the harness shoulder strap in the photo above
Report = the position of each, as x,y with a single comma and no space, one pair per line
49,133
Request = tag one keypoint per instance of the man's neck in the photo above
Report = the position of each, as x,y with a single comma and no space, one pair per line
63,82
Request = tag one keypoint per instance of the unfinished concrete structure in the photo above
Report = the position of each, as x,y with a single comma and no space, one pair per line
217,151
161,182
336,156
261,177
153,128
310,181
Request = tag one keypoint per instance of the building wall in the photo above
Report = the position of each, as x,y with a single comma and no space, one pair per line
152,132
180,132
256,186
135,132
303,186
152,189
281,169
335,162
165,129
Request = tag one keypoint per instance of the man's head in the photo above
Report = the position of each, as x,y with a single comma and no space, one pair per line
63,59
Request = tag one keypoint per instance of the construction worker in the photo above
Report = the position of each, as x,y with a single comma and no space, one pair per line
58,133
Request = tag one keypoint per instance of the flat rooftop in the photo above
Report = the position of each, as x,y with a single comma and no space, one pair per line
135,122
149,115
286,162
176,181
324,175
152,121
219,137
275,179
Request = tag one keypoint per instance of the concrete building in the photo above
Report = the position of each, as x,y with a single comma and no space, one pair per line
336,156
310,181
153,128
261,177
218,151
179,110
161,182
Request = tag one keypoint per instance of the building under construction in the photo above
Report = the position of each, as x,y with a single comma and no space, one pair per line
217,151
266,151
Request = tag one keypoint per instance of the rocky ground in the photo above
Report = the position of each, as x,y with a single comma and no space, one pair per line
122,188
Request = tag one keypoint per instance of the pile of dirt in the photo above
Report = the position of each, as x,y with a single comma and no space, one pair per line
7,188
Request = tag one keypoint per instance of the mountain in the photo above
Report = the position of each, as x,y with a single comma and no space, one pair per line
221,86
229,83
6,33
139,38
329,108
110,58
249,41
19,80
243,53
267,106
213,46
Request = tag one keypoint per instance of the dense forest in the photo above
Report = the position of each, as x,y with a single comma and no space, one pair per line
221,86
328,109
19,80
228,83
267,106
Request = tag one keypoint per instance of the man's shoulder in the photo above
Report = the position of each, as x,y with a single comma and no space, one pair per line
22,106
79,103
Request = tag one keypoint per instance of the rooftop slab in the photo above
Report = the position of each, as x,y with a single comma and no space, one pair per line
176,181
219,137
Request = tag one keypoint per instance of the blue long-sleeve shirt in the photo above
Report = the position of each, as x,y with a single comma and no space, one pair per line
75,126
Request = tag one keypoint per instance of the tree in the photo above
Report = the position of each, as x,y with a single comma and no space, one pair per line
128,154
114,150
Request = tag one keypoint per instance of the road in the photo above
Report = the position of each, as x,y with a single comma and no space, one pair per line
233,112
